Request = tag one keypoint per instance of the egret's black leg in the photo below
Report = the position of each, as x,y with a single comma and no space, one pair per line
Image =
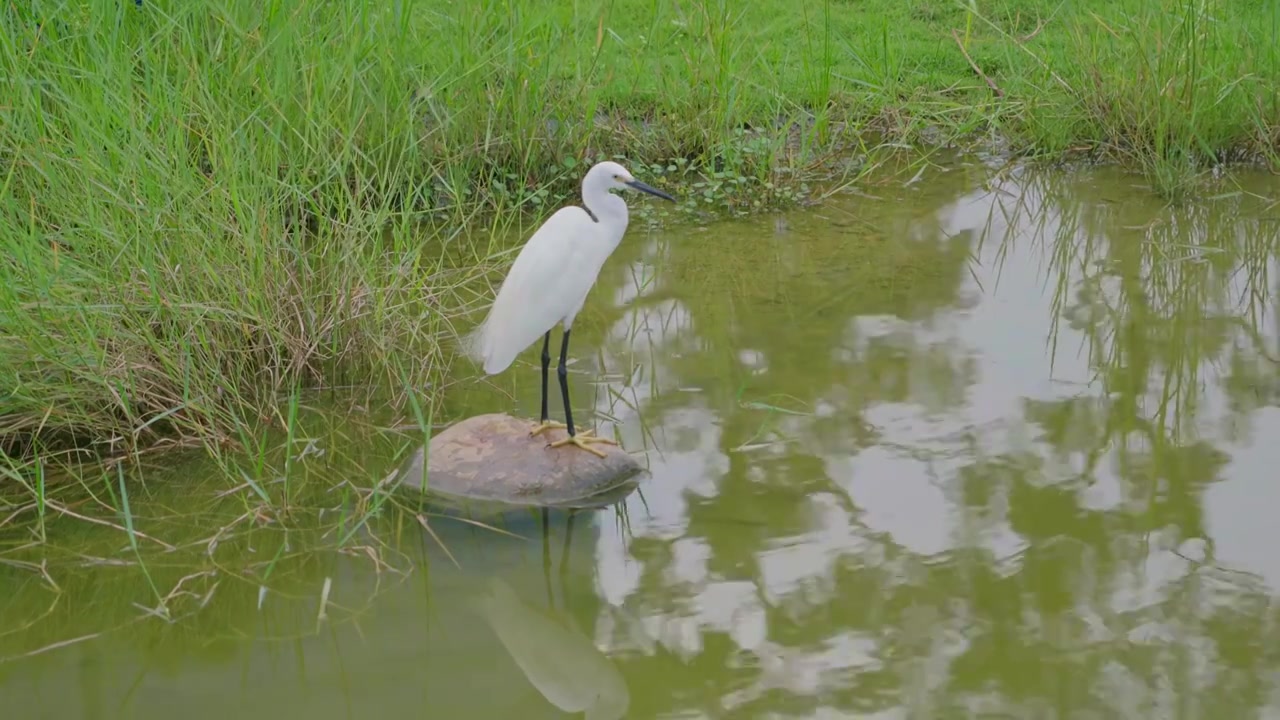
562,370
543,423
546,365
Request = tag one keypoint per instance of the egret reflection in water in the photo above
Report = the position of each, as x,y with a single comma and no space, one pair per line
562,663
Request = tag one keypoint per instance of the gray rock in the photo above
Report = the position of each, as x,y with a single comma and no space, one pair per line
493,459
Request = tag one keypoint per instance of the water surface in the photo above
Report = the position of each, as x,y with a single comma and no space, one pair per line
989,444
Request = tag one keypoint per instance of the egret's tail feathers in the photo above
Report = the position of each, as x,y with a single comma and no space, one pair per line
497,360
479,346
473,344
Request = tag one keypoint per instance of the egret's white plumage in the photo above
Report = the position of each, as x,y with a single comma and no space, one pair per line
548,283
551,277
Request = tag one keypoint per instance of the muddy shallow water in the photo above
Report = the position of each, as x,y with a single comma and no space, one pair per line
976,446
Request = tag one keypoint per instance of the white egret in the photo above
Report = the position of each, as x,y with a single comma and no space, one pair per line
549,282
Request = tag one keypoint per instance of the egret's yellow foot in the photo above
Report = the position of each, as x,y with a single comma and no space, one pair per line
582,440
545,426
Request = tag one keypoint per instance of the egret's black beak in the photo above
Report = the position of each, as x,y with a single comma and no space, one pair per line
651,190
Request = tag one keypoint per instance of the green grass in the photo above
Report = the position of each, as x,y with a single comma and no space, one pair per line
209,204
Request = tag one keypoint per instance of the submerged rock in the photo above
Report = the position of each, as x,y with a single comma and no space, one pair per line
493,459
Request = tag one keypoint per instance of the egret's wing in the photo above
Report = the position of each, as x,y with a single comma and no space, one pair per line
549,278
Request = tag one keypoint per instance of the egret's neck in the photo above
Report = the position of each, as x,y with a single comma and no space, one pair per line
606,207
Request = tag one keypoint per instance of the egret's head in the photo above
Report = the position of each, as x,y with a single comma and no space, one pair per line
616,177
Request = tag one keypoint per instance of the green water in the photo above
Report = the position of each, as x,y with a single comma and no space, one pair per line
983,445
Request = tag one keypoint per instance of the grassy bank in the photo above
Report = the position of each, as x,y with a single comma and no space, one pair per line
208,204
